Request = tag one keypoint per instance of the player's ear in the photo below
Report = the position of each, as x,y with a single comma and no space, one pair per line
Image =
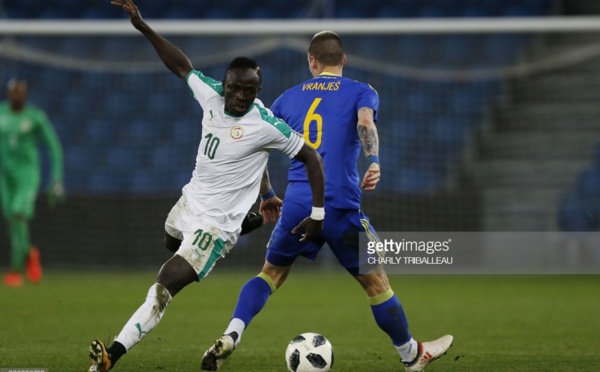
312,62
344,60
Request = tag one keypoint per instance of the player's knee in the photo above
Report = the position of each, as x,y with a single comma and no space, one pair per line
172,243
176,274
18,218
373,284
251,222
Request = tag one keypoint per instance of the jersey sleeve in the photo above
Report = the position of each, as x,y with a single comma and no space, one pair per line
368,98
278,135
290,145
203,87
48,135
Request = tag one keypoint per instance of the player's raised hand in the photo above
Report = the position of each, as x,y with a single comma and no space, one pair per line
270,209
309,228
371,178
130,8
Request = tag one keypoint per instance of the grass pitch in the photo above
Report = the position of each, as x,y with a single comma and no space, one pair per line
500,323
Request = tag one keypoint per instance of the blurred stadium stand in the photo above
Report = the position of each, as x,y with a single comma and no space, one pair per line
579,209
281,9
424,107
549,184
193,9
504,151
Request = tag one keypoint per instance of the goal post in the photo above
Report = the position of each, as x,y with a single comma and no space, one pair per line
303,26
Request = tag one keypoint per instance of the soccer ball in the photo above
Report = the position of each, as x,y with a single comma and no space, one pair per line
309,352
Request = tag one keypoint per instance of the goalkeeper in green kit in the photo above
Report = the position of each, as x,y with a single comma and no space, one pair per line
21,127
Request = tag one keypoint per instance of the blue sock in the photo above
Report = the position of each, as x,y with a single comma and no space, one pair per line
390,317
252,298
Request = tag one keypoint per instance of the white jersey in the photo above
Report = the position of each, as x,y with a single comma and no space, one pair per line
232,155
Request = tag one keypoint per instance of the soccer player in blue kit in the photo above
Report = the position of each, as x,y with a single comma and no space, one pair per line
336,116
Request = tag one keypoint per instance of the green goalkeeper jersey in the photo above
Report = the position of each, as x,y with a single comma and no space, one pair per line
20,133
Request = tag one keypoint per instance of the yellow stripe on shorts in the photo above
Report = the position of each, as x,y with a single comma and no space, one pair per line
372,237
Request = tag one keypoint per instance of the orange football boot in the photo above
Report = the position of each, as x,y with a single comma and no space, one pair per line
13,279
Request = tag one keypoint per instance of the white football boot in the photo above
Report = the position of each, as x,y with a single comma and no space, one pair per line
214,357
428,352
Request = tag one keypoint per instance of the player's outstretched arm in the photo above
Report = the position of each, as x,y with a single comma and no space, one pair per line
171,56
313,163
367,132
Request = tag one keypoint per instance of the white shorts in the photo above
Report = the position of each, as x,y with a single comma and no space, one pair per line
202,244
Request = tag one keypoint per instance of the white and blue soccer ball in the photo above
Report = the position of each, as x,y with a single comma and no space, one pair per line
309,352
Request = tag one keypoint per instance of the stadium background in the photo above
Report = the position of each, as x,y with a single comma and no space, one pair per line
479,131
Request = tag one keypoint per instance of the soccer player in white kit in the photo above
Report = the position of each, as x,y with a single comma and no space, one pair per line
237,134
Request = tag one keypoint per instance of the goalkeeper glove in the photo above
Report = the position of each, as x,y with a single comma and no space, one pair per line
56,194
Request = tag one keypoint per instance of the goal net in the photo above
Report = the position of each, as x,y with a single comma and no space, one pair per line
483,125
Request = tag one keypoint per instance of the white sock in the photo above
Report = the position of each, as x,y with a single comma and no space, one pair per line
146,317
408,351
238,326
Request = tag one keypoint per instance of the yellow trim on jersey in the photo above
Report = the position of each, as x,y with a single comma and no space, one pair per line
269,281
381,298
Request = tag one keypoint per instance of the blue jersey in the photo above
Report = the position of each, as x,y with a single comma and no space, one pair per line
324,110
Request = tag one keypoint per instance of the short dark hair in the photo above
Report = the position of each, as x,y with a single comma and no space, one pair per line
244,62
15,81
326,47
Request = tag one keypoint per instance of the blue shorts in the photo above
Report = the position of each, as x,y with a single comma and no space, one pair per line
341,230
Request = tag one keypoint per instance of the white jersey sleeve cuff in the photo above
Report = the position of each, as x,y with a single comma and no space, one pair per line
294,145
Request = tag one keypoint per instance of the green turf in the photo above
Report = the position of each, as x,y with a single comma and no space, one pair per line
500,323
